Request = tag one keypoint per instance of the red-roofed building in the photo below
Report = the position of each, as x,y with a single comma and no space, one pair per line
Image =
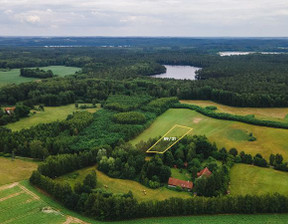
173,182
205,172
9,110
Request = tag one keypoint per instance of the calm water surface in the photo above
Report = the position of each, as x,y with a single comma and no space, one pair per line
178,72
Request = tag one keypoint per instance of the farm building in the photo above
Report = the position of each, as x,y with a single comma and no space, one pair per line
205,172
173,182
9,110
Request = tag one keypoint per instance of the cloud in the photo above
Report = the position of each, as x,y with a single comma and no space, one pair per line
145,17
32,19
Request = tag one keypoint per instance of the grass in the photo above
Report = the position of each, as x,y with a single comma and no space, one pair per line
248,179
175,134
11,171
13,75
176,173
20,206
31,213
123,186
50,114
227,134
275,114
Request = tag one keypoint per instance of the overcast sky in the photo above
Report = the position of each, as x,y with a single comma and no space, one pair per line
144,18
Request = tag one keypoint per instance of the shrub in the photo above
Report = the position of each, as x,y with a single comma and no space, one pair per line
130,118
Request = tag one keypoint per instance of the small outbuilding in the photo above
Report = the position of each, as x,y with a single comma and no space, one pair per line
205,172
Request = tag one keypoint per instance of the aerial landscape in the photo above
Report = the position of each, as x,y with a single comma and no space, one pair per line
169,111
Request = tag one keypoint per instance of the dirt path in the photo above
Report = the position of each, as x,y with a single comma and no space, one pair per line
71,219
11,196
36,197
8,186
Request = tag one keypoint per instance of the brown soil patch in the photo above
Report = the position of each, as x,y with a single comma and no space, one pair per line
71,219
197,120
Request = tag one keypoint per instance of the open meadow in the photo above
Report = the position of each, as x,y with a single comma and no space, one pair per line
123,186
274,114
49,114
224,133
13,75
11,171
248,179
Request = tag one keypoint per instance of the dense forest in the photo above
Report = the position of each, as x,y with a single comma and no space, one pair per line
255,80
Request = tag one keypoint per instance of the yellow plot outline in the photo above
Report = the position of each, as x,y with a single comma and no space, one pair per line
176,125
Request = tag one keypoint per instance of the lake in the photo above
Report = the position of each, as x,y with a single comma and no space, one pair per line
232,53
178,72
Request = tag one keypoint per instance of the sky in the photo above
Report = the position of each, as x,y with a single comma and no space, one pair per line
177,18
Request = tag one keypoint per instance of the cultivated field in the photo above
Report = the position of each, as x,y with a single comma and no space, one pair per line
50,114
123,186
225,133
248,179
19,205
13,75
11,171
275,114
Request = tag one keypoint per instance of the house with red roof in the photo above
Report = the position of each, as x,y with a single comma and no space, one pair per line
9,110
186,185
205,172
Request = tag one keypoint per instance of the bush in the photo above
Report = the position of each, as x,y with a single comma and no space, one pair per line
211,108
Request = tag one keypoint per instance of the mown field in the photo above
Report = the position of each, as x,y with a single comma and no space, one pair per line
50,114
11,171
275,114
22,203
180,174
123,186
225,133
13,75
248,179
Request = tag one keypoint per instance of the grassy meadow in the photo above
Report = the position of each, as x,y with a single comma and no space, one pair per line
225,133
248,179
275,114
49,114
13,75
11,171
123,186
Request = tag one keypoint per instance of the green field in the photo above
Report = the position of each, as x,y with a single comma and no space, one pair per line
11,171
275,114
50,114
181,175
170,138
123,186
248,179
13,75
225,133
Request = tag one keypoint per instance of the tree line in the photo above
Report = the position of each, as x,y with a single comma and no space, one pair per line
36,73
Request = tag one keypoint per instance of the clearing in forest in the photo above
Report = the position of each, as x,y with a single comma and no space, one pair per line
254,180
169,139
